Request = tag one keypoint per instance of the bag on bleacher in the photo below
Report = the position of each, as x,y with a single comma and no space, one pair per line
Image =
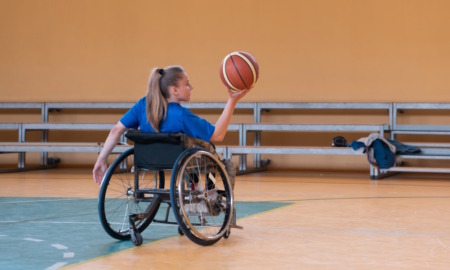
383,157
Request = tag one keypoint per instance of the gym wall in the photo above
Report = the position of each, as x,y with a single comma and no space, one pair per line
308,51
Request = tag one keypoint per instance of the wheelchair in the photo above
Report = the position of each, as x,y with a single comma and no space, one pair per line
200,193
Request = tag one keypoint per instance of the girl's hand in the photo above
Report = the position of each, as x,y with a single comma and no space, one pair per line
224,119
99,171
237,95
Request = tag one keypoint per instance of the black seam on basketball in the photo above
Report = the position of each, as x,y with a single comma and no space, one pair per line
237,70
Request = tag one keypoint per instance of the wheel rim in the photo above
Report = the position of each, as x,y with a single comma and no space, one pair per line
120,200
205,208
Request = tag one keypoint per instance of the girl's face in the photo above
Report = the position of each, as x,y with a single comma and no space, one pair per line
183,89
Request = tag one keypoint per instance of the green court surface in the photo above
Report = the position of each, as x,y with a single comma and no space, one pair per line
48,233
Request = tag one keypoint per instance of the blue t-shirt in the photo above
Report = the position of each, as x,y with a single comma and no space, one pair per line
178,120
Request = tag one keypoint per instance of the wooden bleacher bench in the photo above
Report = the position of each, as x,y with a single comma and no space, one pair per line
286,150
421,129
429,151
300,150
243,129
433,151
19,147
22,146
315,127
385,107
290,150
22,105
71,147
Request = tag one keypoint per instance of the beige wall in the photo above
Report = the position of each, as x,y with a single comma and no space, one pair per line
308,50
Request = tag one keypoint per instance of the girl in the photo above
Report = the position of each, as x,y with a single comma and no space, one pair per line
160,111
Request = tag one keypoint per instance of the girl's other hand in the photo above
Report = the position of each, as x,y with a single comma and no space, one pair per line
99,171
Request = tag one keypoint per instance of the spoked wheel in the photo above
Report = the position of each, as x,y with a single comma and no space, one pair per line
118,199
201,196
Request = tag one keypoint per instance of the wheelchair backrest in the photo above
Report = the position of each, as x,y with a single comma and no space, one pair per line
157,150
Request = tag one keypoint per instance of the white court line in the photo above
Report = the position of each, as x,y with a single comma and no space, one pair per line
34,201
158,224
49,222
66,222
56,266
59,246
69,254
66,255
74,222
33,239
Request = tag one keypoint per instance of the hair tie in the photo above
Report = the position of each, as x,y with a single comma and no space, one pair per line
161,71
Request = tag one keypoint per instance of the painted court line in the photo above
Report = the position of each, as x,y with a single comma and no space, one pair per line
50,222
35,201
56,266
70,222
59,246
33,239
68,255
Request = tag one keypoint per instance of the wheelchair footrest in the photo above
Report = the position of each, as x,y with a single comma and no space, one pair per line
235,226
233,221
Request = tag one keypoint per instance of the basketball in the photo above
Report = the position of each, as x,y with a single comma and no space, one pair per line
239,71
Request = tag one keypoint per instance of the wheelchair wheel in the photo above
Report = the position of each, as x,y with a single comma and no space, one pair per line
201,196
117,198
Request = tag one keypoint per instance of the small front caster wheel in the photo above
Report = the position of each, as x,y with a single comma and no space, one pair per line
227,234
136,237
180,232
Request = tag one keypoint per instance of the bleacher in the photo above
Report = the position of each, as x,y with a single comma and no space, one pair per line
257,128
432,151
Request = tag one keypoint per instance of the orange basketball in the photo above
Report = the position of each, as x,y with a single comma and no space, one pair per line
239,71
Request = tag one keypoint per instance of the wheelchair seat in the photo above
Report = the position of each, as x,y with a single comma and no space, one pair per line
159,151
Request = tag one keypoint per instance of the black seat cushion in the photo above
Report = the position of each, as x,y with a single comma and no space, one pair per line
156,151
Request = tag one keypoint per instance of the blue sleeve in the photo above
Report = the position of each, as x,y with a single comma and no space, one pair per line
131,118
196,126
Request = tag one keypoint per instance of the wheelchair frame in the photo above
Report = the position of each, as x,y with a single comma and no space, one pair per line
200,193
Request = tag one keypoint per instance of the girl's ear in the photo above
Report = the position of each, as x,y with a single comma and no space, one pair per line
173,91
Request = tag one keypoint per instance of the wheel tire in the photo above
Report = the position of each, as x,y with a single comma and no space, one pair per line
203,210
117,200
136,238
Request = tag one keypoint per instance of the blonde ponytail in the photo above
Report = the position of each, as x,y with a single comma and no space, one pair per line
158,93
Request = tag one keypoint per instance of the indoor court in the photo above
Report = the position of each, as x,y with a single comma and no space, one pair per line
334,113
291,220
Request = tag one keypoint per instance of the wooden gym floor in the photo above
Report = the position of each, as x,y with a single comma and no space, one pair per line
330,221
